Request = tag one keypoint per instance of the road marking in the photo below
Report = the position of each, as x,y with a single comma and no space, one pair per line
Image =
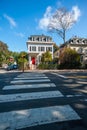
62,76
78,77
76,95
37,116
29,86
85,100
81,82
30,81
30,74
40,77
30,96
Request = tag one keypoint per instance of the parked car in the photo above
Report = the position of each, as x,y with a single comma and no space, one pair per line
12,67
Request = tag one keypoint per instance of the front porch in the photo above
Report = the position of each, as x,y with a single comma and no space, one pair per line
34,60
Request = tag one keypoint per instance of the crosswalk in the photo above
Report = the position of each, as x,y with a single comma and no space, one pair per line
18,119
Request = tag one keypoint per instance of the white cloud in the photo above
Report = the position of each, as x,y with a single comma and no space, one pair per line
76,12
10,20
43,23
20,34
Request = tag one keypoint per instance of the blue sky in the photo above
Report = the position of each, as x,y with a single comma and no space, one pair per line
21,18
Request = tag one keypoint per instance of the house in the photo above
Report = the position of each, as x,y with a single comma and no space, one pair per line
36,45
78,44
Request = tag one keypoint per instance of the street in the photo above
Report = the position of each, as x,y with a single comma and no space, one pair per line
42,100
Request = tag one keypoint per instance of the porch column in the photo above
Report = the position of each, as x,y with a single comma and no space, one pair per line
29,61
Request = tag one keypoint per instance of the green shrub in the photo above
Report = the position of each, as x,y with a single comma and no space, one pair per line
48,66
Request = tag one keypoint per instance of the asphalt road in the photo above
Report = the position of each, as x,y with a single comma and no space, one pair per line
63,93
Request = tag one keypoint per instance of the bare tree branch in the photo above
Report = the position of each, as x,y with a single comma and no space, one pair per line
60,22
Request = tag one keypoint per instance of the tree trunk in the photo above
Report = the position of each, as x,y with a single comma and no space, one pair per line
64,36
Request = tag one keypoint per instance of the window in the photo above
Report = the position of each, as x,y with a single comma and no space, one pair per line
30,48
81,58
74,49
86,51
37,39
33,39
80,50
71,41
48,48
38,48
41,48
44,39
78,41
33,48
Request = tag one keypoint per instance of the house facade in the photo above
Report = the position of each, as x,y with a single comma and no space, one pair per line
78,44
36,45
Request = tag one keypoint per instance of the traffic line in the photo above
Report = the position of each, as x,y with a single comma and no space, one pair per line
30,81
37,116
29,96
62,76
29,86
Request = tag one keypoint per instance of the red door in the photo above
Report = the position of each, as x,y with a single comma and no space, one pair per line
33,60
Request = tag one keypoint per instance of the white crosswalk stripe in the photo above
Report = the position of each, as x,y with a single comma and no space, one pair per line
31,75
36,116
30,81
28,96
39,77
17,119
40,85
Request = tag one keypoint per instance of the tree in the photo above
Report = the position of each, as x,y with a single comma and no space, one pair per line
69,58
3,47
46,57
4,52
16,56
62,20
55,47
22,60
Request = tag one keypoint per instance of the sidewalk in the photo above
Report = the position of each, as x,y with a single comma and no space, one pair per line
37,70
5,71
62,70
2,70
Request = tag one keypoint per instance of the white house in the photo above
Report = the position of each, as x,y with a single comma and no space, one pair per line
78,44
36,45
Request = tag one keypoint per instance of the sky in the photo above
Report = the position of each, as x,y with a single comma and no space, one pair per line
19,19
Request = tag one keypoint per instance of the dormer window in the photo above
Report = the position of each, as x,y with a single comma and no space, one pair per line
77,41
37,38
83,41
71,41
44,39
30,38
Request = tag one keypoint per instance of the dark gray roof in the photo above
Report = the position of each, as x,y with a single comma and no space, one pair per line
40,36
75,41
